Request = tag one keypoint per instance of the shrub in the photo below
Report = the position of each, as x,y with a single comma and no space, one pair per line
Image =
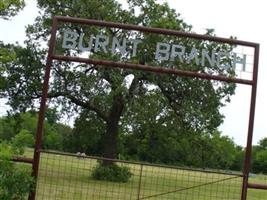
23,139
111,172
15,180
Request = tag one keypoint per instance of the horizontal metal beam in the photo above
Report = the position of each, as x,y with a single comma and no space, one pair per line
154,30
257,186
152,69
23,160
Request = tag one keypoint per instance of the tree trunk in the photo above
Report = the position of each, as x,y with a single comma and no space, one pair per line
110,140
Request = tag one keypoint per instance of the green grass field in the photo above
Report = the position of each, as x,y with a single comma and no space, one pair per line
68,177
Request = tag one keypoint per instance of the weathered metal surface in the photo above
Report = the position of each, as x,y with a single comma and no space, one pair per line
247,161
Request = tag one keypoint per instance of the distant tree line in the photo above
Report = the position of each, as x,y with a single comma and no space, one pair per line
150,142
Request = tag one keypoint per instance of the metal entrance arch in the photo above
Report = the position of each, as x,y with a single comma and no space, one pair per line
52,56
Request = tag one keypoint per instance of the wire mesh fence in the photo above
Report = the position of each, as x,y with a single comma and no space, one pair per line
68,176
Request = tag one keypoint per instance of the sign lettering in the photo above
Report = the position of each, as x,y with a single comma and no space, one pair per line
163,51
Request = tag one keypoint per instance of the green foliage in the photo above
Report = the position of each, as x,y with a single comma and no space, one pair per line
51,116
259,157
64,131
19,72
20,129
7,128
164,145
261,162
15,180
86,134
239,155
27,121
6,151
9,8
53,140
23,139
6,53
112,172
13,124
263,144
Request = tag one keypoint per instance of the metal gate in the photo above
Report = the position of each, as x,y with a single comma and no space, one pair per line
52,55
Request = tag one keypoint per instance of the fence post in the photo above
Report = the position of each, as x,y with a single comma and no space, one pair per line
140,180
41,117
247,160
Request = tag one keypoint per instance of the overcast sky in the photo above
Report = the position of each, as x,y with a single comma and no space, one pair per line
244,19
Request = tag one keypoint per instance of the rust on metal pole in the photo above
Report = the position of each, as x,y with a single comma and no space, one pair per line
39,130
247,160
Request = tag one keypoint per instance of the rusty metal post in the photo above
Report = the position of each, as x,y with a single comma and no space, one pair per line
39,130
247,160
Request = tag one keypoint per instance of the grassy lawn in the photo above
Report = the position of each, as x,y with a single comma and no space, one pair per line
68,177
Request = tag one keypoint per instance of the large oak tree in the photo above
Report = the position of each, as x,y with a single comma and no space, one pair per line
119,99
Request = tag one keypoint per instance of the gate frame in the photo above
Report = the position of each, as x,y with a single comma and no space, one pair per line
51,56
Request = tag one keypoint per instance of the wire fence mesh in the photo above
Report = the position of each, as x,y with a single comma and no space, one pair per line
68,176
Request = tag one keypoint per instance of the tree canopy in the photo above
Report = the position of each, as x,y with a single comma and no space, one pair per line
9,8
118,102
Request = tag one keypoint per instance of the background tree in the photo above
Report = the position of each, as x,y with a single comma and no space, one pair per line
20,129
259,157
262,144
23,139
16,180
86,134
114,97
9,8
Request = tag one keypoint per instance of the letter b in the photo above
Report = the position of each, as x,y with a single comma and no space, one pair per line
69,40
163,51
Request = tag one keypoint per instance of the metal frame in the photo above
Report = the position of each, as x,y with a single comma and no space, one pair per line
51,57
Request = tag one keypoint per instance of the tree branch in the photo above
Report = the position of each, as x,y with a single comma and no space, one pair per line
89,105
132,88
